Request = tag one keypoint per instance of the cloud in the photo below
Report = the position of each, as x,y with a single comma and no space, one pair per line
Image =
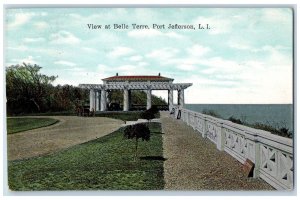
33,40
28,60
125,68
135,58
277,15
120,51
19,20
22,18
142,64
63,62
198,50
163,54
152,33
19,48
239,45
64,37
89,49
41,25
186,67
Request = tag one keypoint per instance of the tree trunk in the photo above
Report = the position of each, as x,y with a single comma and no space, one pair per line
36,104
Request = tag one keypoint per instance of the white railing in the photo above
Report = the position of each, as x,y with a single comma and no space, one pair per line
271,154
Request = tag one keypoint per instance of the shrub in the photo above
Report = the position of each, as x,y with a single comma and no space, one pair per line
150,113
137,131
235,120
210,112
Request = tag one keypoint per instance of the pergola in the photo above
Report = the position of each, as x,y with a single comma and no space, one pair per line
98,92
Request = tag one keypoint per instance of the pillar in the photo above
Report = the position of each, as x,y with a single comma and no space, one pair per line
126,100
103,100
129,100
170,98
92,99
148,99
181,98
98,100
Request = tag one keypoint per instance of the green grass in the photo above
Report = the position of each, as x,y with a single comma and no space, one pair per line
106,163
15,125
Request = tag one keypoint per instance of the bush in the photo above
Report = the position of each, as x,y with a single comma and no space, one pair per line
150,113
235,120
211,113
135,132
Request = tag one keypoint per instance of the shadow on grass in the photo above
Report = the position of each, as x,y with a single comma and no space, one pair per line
153,158
160,133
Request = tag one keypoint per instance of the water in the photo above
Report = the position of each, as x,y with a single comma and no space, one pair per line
276,115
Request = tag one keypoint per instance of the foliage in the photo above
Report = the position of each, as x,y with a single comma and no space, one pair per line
137,98
101,164
282,131
150,113
137,131
235,120
29,91
15,125
211,113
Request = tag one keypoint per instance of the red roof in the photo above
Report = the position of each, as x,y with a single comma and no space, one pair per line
137,78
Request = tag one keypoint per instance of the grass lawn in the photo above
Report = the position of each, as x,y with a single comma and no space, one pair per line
106,163
15,125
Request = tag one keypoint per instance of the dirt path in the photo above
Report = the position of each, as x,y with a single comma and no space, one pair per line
194,163
71,130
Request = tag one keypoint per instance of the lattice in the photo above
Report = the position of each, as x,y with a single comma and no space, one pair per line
211,131
285,168
138,85
200,125
268,159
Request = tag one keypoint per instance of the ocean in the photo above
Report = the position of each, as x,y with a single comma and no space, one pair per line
276,115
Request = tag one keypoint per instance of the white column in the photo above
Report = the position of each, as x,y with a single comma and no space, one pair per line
170,95
181,97
103,100
92,99
98,100
148,99
126,100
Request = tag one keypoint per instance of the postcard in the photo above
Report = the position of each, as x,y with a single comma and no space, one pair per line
149,98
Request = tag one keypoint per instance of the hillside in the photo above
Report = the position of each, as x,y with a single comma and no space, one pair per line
137,98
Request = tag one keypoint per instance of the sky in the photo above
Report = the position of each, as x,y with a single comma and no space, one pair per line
245,57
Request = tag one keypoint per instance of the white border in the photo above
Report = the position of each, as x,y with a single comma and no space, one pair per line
150,3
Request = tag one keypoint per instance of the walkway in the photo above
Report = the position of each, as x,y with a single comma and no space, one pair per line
71,130
194,163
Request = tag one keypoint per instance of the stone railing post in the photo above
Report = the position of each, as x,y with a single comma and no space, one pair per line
257,159
221,136
205,128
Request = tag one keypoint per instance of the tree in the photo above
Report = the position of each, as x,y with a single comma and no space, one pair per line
150,113
137,131
27,89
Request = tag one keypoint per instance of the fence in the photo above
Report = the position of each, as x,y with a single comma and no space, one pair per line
271,154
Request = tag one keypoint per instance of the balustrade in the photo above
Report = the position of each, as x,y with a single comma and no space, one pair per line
271,154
